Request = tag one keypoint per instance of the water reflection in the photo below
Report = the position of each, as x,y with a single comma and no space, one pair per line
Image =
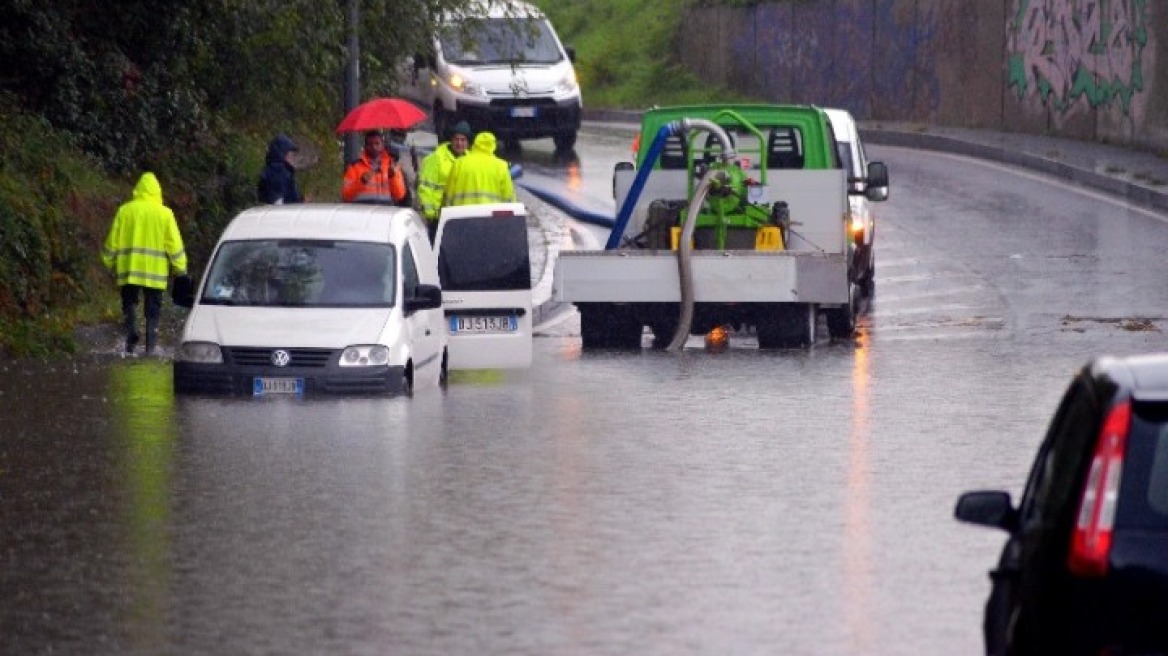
145,440
858,564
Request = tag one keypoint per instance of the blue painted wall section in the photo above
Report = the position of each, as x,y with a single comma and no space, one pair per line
1081,68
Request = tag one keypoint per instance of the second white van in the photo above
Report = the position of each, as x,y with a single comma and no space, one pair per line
499,66
484,263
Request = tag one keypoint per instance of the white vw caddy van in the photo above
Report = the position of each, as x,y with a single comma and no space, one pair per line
316,298
500,67
484,263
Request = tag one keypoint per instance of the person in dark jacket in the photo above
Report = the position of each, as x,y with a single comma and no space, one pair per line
277,184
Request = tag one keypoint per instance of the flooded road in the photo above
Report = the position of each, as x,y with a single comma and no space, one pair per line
741,502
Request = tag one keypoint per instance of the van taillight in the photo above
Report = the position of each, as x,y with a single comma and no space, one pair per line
498,213
1091,540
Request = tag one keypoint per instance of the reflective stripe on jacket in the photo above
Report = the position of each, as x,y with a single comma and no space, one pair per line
144,244
369,184
479,176
432,180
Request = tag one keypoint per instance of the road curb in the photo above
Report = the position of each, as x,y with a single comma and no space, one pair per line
1134,193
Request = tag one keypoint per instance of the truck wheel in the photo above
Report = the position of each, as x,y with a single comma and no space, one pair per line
565,140
604,325
786,325
841,321
594,331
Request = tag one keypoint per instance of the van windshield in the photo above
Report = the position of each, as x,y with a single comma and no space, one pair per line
301,273
502,41
487,253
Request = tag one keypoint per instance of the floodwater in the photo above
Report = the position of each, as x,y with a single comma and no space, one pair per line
610,503
733,502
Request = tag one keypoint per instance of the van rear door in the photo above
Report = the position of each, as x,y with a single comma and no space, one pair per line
484,263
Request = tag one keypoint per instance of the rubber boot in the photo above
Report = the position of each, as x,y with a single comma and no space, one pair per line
130,323
151,335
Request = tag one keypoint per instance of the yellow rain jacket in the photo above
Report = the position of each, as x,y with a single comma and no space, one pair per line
144,245
432,180
479,176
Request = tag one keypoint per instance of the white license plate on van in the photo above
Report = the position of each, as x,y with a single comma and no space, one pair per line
484,324
523,112
262,386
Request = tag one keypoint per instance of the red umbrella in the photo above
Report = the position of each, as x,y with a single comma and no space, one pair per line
382,114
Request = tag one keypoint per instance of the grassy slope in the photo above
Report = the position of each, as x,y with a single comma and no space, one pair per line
625,52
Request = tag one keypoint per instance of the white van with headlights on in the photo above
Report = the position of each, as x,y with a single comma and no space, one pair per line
316,298
499,66
484,263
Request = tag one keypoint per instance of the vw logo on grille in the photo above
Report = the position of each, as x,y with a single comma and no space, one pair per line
281,358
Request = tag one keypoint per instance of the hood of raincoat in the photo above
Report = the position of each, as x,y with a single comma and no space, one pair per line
279,148
148,188
484,143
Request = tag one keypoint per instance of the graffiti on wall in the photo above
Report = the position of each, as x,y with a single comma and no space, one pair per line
1068,51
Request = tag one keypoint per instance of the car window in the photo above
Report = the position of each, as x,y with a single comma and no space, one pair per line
485,253
1143,496
301,273
1051,494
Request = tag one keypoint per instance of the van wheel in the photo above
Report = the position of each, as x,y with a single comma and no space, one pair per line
564,140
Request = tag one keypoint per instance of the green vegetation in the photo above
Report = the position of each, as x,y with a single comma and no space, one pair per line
626,52
92,95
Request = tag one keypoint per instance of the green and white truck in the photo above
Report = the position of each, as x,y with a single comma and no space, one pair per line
733,216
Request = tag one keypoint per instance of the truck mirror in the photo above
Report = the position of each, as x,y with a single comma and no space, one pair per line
877,181
620,166
571,50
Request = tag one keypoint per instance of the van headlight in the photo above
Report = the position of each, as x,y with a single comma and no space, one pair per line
463,85
567,84
365,356
200,352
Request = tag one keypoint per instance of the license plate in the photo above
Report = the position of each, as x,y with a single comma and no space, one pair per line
522,112
261,386
484,324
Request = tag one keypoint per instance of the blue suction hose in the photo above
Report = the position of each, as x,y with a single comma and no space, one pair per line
626,210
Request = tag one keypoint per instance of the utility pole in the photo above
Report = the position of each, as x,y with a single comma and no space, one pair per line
353,78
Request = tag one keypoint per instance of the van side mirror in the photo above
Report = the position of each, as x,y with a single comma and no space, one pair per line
571,50
182,291
877,181
426,297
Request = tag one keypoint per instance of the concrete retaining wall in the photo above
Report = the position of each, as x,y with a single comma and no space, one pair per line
1088,69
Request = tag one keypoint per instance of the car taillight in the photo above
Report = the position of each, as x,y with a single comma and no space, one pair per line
1091,540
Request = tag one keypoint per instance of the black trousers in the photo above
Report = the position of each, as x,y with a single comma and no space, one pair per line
152,305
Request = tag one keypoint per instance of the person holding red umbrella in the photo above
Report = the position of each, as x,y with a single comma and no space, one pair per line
374,177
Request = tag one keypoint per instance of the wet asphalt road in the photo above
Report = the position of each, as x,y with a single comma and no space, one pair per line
743,502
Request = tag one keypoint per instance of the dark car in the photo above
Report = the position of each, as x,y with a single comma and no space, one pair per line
1085,569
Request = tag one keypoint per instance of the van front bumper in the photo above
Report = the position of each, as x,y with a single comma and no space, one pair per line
523,118
230,379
